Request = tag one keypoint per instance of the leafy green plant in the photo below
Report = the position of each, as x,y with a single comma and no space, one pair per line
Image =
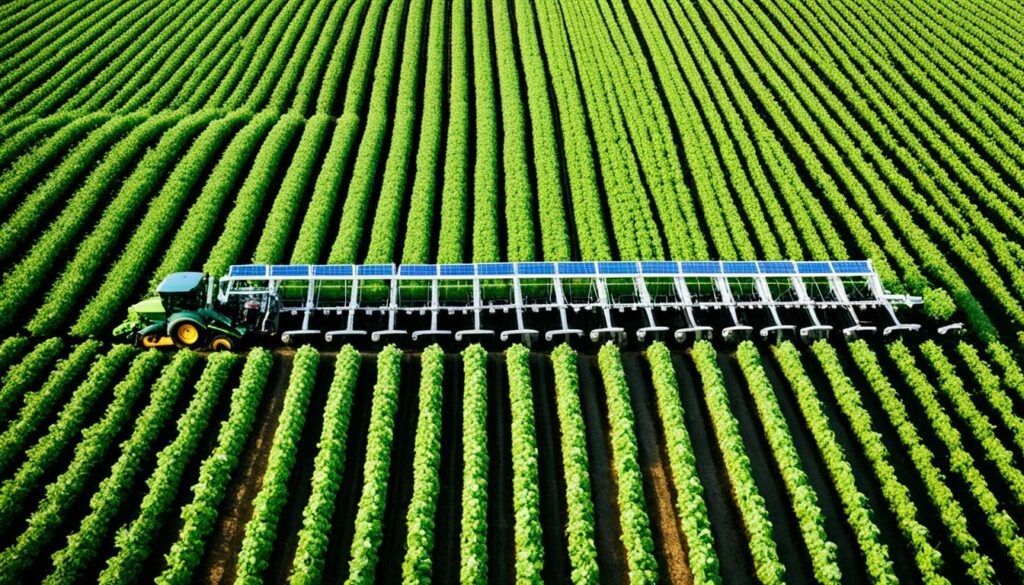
525,478
475,462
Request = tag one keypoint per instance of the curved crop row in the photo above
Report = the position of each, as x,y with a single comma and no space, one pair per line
365,23
380,436
12,349
38,405
280,221
426,479
768,567
84,544
525,477
579,529
261,530
327,470
134,542
63,433
979,566
636,526
691,507
313,72
161,215
855,503
960,461
200,514
801,493
475,463
22,134
62,494
19,285
20,377
927,557
201,219
95,248
249,198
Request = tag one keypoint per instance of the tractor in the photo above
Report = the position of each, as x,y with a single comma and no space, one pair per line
181,314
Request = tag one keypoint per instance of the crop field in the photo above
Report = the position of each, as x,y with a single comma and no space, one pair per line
146,137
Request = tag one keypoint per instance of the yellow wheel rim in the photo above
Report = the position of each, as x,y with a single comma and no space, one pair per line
221,344
188,334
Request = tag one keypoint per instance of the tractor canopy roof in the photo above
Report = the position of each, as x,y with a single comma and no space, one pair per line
180,282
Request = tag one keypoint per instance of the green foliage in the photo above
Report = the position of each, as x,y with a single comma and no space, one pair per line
475,462
426,480
525,479
369,528
748,499
63,493
579,529
84,544
22,376
199,516
938,304
327,471
11,350
261,530
636,527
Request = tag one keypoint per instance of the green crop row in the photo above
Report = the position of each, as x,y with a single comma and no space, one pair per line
369,528
24,374
525,477
327,470
261,529
636,526
475,463
200,514
426,481
579,529
62,494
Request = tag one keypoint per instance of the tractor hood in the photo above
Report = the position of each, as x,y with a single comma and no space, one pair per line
151,309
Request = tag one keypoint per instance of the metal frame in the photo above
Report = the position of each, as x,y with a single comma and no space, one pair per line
687,283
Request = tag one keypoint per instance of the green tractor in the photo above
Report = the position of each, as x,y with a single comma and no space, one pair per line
181,314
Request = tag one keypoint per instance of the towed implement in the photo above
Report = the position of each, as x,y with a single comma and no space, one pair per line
522,301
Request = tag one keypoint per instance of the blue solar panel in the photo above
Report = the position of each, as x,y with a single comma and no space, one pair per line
418,270
289,270
850,267
495,269
701,267
813,267
457,270
248,270
776,267
535,268
333,270
376,270
739,267
659,267
576,268
628,268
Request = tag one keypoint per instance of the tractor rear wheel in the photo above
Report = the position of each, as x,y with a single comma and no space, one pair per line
222,343
187,334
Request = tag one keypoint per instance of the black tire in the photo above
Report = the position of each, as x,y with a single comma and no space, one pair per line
222,343
188,334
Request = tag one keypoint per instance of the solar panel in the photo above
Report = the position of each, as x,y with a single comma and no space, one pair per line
620,268
813,268
289,270
659,267
536,268
776,267
739,267
418,270
333,270
850,267
575,268
701,267
457,270
495,269
376,270
248,270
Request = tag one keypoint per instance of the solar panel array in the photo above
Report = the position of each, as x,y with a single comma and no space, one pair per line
610,269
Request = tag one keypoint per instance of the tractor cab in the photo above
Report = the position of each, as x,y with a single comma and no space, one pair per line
180,314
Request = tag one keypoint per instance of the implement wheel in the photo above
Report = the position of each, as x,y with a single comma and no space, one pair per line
222,343
187,334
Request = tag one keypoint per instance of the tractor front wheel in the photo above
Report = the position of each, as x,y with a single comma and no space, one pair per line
222,343
187,334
